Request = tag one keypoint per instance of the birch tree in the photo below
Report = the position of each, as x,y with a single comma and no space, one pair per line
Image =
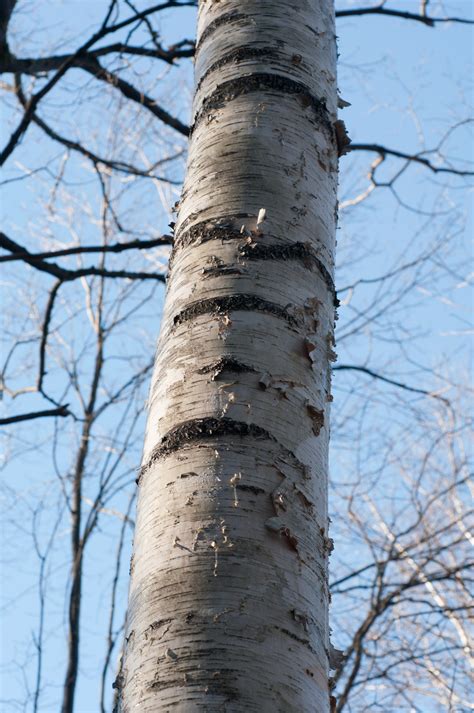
228,599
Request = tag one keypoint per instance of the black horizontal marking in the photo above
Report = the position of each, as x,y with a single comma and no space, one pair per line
238,55
251,489
301,252
226,363
203,429
221,270
215,24
293,636
206,230
199,429
240,86
234,303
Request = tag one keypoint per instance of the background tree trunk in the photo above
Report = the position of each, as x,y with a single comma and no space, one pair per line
228,606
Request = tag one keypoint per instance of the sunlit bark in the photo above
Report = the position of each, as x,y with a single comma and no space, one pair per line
228,605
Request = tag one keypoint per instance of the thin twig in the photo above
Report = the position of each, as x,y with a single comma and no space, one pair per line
399,384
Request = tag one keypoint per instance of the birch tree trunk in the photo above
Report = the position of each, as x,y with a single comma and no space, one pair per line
228,605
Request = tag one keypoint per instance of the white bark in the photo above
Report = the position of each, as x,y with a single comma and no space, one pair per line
228,597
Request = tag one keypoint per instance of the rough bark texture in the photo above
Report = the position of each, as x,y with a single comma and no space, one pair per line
229,598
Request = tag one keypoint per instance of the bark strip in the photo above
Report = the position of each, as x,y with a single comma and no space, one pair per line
223,19
261,82
294,251
240,55
230,303
205,428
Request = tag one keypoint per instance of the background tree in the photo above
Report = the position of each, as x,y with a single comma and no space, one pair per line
94,184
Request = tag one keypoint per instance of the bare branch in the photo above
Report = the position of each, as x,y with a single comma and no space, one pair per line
36,98
80,249
120,166
399,384
402,14
60,411
126,89
99,72
111,635
383,151
66,275
44,334
41,65
149,11
6,10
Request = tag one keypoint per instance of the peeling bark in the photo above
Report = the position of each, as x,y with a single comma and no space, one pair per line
228,601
